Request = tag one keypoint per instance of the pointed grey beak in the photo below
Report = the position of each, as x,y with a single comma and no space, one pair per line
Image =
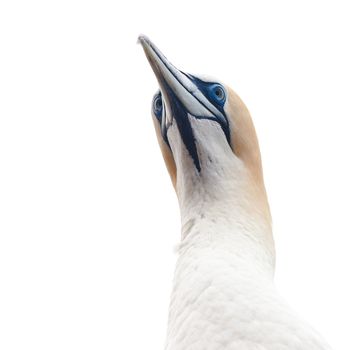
181,85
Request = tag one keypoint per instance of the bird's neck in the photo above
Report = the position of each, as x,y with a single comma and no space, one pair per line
227,214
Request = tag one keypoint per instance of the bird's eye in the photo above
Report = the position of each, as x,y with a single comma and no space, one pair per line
158,106
218,93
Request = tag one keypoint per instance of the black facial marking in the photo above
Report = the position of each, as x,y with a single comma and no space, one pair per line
180,114
214,92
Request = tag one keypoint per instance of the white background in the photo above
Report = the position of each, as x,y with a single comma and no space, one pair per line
88,217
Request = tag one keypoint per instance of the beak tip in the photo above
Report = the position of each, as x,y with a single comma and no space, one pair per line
142,39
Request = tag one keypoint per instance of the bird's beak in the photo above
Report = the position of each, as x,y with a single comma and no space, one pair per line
171,80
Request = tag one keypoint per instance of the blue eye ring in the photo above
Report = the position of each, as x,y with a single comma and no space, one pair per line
218,93
157,106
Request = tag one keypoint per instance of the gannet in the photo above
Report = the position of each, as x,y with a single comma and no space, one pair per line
224,295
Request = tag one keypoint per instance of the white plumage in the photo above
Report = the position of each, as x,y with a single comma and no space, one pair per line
223,296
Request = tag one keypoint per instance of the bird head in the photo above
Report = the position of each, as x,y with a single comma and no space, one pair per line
206,135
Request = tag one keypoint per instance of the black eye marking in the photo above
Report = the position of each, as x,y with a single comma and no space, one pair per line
218,94
157,106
